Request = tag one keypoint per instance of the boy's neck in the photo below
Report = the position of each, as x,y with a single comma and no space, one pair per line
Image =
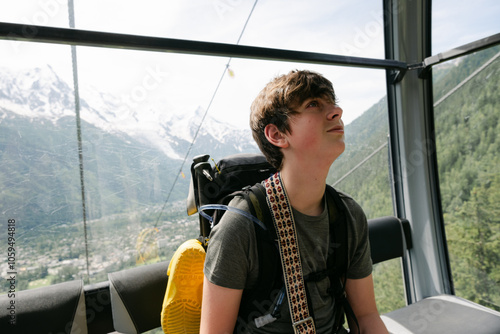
305,188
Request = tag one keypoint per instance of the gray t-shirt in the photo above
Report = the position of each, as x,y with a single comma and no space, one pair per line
232,259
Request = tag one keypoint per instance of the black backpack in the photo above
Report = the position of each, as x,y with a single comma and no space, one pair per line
213,187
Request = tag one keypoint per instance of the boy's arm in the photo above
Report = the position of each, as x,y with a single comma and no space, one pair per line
219,309
361,297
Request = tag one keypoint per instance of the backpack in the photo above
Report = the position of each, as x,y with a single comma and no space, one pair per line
213,187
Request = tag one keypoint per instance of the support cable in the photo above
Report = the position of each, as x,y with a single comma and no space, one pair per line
71,15
203,118
360,164
476,72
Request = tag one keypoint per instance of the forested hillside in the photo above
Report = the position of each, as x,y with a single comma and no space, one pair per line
468,146
41,179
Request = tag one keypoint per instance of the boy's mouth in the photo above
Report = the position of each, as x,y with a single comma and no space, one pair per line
336,128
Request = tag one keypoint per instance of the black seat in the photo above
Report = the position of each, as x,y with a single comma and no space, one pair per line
389,238
58,308
137,297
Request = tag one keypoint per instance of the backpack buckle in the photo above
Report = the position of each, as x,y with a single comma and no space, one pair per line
304,322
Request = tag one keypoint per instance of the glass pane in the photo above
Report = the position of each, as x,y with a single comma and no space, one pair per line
344,27
39,174
389,286
467,134
52,13
362,171
139,115
458,23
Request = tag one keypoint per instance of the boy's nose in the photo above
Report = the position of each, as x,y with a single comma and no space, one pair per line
334,111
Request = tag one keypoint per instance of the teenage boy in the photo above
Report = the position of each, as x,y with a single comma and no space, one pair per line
298,126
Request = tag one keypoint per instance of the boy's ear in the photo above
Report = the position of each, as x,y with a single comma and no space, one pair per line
275,136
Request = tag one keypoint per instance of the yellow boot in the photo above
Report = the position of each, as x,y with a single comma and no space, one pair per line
181,309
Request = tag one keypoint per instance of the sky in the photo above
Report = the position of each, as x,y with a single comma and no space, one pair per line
176,83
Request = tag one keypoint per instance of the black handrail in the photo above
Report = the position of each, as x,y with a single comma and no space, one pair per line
35,33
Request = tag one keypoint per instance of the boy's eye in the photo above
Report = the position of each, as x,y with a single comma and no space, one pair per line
312,104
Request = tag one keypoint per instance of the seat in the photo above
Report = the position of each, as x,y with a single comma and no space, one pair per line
443,314
389,238
59,308
137,297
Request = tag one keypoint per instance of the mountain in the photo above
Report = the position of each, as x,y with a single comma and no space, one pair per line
132,159
39,93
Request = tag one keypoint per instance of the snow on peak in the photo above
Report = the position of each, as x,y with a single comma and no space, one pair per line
36,93
41,93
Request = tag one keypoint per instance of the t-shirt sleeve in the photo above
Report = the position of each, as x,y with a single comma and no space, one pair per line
360,261
231,252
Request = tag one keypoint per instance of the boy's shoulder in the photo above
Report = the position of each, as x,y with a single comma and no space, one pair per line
349,201
343,195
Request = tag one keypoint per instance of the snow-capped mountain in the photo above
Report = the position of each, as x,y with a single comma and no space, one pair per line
39,93
35,93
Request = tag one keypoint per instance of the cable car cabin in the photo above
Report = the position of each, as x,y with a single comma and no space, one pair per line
101,117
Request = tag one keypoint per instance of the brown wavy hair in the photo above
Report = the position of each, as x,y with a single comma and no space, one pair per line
276,102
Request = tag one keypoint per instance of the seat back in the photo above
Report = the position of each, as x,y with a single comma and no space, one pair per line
59,308
390,237
137,297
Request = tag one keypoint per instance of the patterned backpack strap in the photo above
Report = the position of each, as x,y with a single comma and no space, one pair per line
289,252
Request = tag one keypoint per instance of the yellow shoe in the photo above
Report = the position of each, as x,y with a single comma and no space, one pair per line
181,309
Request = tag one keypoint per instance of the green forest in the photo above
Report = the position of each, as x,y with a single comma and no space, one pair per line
467,131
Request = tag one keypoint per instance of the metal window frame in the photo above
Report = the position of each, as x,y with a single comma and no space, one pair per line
416,190
44,34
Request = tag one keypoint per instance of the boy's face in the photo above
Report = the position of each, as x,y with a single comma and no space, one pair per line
317,129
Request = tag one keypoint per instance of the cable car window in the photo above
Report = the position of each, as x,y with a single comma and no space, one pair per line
121,202
39,13
353,28
456,24
466,106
